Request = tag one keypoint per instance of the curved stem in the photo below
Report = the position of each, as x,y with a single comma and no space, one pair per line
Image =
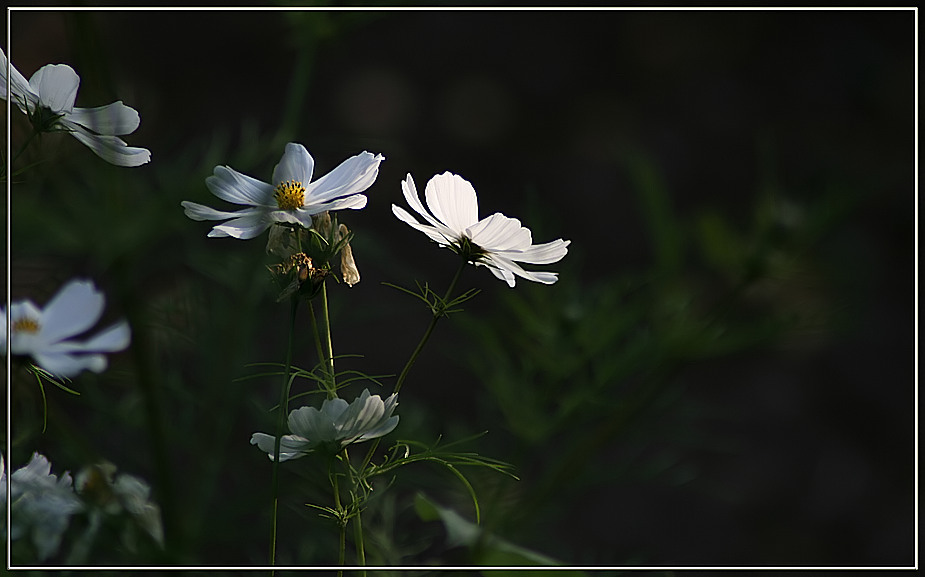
430,329
280,424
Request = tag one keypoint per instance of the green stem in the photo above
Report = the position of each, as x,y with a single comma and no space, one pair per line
280,424
358,525
327,333
318,348
22,148
341,521
430,328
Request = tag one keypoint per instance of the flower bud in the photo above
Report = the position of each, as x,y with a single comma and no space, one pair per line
348,267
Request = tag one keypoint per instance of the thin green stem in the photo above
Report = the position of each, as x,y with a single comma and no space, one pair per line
430,329
341,521
280,424
327,332
319,349
358,524
25,145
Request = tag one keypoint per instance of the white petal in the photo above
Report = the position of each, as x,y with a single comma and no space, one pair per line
501,273
229,184
19,86
452,199
56,85
197,211
73,310
297,164
360,414
509,265
353,175
357,201
301,217
109,340
290,446
112,149
384,429
312,424
68,365
115,118
546,253
430,231
411,197
244,227
499,232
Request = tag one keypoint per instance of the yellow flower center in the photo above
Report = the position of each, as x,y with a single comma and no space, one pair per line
290,195
25,325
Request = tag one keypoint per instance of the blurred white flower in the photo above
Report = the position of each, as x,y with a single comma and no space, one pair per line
292,198
496,241
47,334
41,504
335,426
104,491
49,95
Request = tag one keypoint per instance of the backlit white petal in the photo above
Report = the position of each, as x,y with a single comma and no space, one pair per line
112,119
56,86
411,197
353,175
546,253
499,232
296,164
19,86
452,200
509,265
246,226
112,149
430,231
290,446
197,211
229,184
357,201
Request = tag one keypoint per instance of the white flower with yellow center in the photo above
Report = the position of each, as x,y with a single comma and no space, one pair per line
47,334
335,426
497,241
292,198
50,95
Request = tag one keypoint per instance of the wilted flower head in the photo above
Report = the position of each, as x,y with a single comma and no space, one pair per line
292,198
47,334
48,98
496,241
335,426
41,504
113,494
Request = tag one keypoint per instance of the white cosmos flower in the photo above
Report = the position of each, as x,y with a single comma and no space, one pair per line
47,334
53,89
497,241
292,198
41,505
335,426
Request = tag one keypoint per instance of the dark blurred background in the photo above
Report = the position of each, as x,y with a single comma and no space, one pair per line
723,375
